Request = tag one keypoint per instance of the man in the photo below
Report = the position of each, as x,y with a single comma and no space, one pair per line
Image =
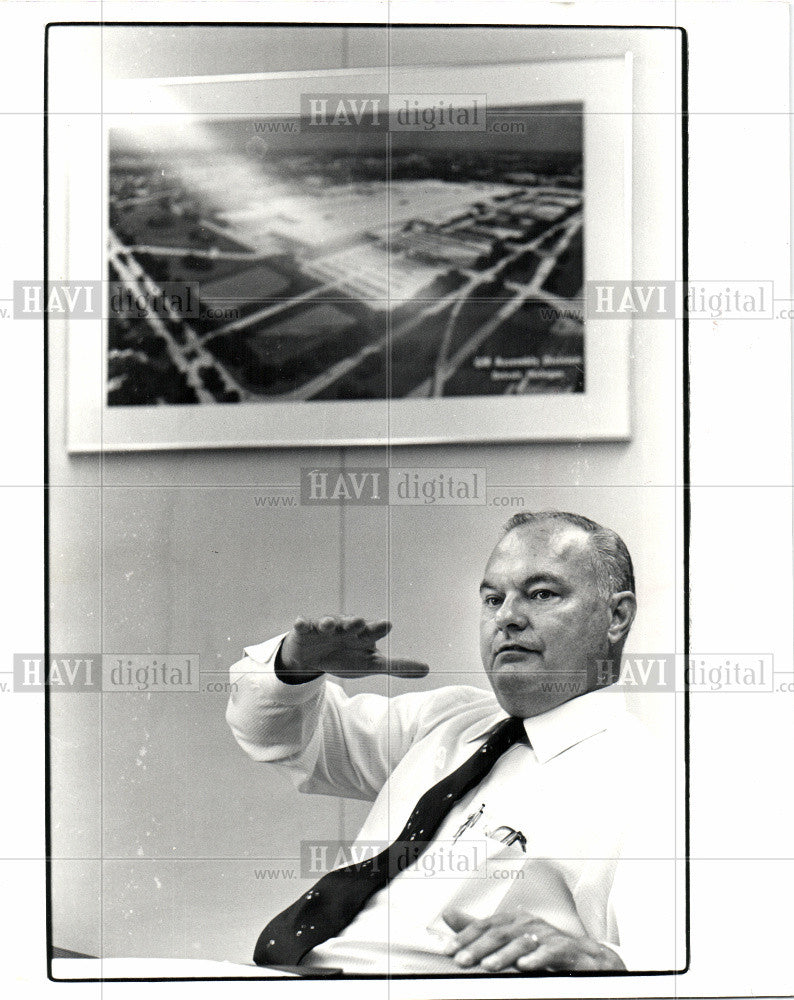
545,867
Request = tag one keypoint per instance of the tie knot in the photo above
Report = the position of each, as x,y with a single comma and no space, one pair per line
510,731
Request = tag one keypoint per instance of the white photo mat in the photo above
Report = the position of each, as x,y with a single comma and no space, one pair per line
82,115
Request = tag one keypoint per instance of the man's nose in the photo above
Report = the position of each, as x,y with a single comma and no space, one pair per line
511,614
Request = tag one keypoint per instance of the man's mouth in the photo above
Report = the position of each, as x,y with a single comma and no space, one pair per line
516,648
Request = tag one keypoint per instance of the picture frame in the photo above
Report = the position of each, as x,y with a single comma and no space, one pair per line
81,142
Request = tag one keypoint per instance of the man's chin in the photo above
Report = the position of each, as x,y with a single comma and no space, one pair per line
523,704
525,695
519,672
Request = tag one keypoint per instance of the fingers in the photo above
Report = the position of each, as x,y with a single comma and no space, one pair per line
411,669
344,646
557,954
490,941
377,630
522,941
542,958
456,918
511,940
346,625
469,929
363,663
504,957
342,624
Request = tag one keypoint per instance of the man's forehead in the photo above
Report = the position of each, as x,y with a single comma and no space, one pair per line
549,541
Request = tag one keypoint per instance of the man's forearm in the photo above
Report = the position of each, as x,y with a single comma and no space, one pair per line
337,745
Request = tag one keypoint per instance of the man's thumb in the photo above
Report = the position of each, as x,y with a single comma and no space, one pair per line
407,668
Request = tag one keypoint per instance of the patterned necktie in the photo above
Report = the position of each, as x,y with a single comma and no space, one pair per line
339,896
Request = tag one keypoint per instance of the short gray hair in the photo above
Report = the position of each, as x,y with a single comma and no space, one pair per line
613,567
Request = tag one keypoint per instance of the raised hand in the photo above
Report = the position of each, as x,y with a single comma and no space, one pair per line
342,647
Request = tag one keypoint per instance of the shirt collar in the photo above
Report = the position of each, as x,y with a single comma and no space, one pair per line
562,727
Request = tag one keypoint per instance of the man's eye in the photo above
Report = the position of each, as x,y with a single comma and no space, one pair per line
542,595
492,600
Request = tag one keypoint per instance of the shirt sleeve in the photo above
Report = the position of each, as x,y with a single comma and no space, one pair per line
330,743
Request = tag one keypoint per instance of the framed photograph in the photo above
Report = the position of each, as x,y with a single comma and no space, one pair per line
356,257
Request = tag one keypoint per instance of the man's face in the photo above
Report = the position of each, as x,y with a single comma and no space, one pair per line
543,623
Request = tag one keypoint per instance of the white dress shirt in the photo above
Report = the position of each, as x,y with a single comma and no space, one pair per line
594,810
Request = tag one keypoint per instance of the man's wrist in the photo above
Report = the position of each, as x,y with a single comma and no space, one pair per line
289,675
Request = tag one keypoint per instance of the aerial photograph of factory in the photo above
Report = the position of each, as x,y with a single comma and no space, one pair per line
260,260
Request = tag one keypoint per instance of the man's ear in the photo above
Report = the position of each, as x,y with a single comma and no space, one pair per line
624,609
